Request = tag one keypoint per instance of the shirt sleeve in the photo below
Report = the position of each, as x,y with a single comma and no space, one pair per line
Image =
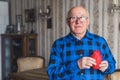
107,55
57,70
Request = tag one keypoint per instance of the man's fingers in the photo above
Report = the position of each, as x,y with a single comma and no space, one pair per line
88,62
104,64
91,61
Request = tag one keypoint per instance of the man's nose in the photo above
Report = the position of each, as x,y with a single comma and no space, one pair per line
77,20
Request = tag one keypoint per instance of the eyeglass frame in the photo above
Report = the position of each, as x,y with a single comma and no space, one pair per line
75,18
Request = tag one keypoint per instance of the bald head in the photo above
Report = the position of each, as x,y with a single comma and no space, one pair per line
81,10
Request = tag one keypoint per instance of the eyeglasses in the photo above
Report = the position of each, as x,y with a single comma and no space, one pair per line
75,18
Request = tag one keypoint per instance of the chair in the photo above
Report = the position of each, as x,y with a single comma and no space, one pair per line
29,63
115,75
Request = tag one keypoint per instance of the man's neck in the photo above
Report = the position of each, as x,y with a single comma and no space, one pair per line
79,36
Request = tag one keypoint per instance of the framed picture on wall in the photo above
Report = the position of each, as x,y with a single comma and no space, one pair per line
29,15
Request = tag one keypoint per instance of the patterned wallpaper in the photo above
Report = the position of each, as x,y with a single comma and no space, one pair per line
102,21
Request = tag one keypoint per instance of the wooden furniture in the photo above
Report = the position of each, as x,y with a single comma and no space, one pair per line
35,74
13,47
40,74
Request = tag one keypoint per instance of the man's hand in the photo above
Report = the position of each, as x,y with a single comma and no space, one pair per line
103,66
86,62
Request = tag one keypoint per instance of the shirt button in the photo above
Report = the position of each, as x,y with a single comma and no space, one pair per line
81,55
82,73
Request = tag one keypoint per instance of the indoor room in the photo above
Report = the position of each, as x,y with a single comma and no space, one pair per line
29,29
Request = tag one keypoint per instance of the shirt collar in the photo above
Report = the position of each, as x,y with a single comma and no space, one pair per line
88,35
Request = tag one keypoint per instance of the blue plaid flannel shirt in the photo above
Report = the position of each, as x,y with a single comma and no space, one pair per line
67,50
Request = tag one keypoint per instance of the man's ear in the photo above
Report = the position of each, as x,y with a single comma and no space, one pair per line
88,22
67,21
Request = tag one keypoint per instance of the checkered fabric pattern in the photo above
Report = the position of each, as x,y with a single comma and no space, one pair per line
67,50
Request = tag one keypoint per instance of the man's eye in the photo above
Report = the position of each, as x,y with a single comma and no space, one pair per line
73,17
82,17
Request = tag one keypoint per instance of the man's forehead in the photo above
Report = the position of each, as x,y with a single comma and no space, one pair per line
78,11
78,14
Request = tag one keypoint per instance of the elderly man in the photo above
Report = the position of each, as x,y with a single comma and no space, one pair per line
70,57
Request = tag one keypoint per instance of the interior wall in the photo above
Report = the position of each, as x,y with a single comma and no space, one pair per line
4,21
102,21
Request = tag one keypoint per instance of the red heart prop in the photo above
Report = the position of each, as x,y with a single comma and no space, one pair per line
98,57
